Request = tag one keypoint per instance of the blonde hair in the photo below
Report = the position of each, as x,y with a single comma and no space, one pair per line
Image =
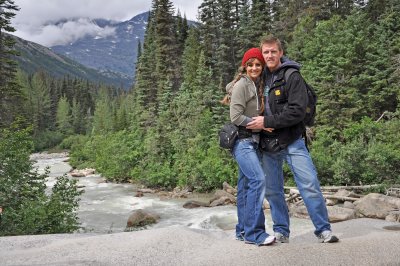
271,39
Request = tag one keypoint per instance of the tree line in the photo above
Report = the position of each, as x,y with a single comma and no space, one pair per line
162,132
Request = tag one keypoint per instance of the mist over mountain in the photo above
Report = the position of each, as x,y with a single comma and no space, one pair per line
112,51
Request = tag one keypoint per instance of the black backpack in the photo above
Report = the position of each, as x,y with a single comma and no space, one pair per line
311,108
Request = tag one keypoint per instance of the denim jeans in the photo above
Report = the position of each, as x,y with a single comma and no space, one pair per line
251,191
305,176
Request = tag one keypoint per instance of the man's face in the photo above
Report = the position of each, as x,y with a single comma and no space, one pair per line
272,55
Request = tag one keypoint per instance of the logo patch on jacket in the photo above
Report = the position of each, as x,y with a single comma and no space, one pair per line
277,92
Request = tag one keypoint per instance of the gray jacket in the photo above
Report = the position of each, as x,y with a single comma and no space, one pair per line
244,101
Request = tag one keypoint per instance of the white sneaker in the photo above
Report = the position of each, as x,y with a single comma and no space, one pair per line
268,241
327,237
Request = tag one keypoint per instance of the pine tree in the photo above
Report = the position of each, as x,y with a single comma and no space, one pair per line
166,44
190,58
64,118
244,38
260,20
11,100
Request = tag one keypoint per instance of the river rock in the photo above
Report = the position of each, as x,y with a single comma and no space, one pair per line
220,194
299,211
191,204
180,193
394,216
221,201
82,172
228,188
339,214
146,190
376,205
139,194
140,218
348,205
335,213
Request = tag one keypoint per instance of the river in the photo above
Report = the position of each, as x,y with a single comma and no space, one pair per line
105,207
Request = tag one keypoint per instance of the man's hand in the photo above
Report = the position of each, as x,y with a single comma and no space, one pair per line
257,123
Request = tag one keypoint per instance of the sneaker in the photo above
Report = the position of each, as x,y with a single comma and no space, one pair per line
281,238
327,237
240,237
268,241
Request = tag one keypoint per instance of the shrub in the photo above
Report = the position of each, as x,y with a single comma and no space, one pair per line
27,209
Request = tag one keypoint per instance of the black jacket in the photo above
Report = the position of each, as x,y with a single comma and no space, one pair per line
287,101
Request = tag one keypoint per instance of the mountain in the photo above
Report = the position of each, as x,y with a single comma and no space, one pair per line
34,57
113,53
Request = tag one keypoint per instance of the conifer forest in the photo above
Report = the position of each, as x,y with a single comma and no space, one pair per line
162,131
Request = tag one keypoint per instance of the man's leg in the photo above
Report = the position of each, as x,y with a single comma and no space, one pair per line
274,192
307,182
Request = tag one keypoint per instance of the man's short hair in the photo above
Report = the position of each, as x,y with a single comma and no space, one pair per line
271,39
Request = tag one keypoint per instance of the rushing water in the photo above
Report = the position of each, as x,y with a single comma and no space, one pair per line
105,207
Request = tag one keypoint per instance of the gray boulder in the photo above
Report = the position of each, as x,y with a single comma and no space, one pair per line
191,204
376,205
339,214
220,194
140,218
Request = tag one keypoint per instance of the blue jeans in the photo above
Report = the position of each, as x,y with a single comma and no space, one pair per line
305,176
251,191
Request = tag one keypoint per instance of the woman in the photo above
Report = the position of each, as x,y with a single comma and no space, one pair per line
246,101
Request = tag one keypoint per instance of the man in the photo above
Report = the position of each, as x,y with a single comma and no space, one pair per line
285,109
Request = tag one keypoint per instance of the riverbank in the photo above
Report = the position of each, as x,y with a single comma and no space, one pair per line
362,242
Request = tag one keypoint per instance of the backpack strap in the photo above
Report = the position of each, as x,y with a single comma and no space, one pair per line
288,71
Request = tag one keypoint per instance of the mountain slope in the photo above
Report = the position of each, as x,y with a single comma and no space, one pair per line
34,57
115,52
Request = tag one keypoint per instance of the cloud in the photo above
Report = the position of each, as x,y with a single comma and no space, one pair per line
64,33
38,20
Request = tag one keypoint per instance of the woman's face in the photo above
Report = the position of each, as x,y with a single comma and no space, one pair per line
254,68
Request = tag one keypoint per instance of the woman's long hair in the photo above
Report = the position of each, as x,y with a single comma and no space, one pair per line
260,88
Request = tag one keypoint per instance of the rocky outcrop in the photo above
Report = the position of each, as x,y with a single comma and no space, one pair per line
376,205
344,205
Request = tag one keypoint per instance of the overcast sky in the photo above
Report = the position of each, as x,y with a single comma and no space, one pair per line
33,21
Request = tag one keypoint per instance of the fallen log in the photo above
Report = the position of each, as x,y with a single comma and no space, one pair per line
335,188
340,198
292,197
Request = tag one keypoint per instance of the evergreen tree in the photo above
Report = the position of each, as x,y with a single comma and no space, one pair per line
166,44
77,118
190,57
11,100
260,20
145,90
209,30
64,118
103,121
244,38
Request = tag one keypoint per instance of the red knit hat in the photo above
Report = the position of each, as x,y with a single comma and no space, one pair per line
253,53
